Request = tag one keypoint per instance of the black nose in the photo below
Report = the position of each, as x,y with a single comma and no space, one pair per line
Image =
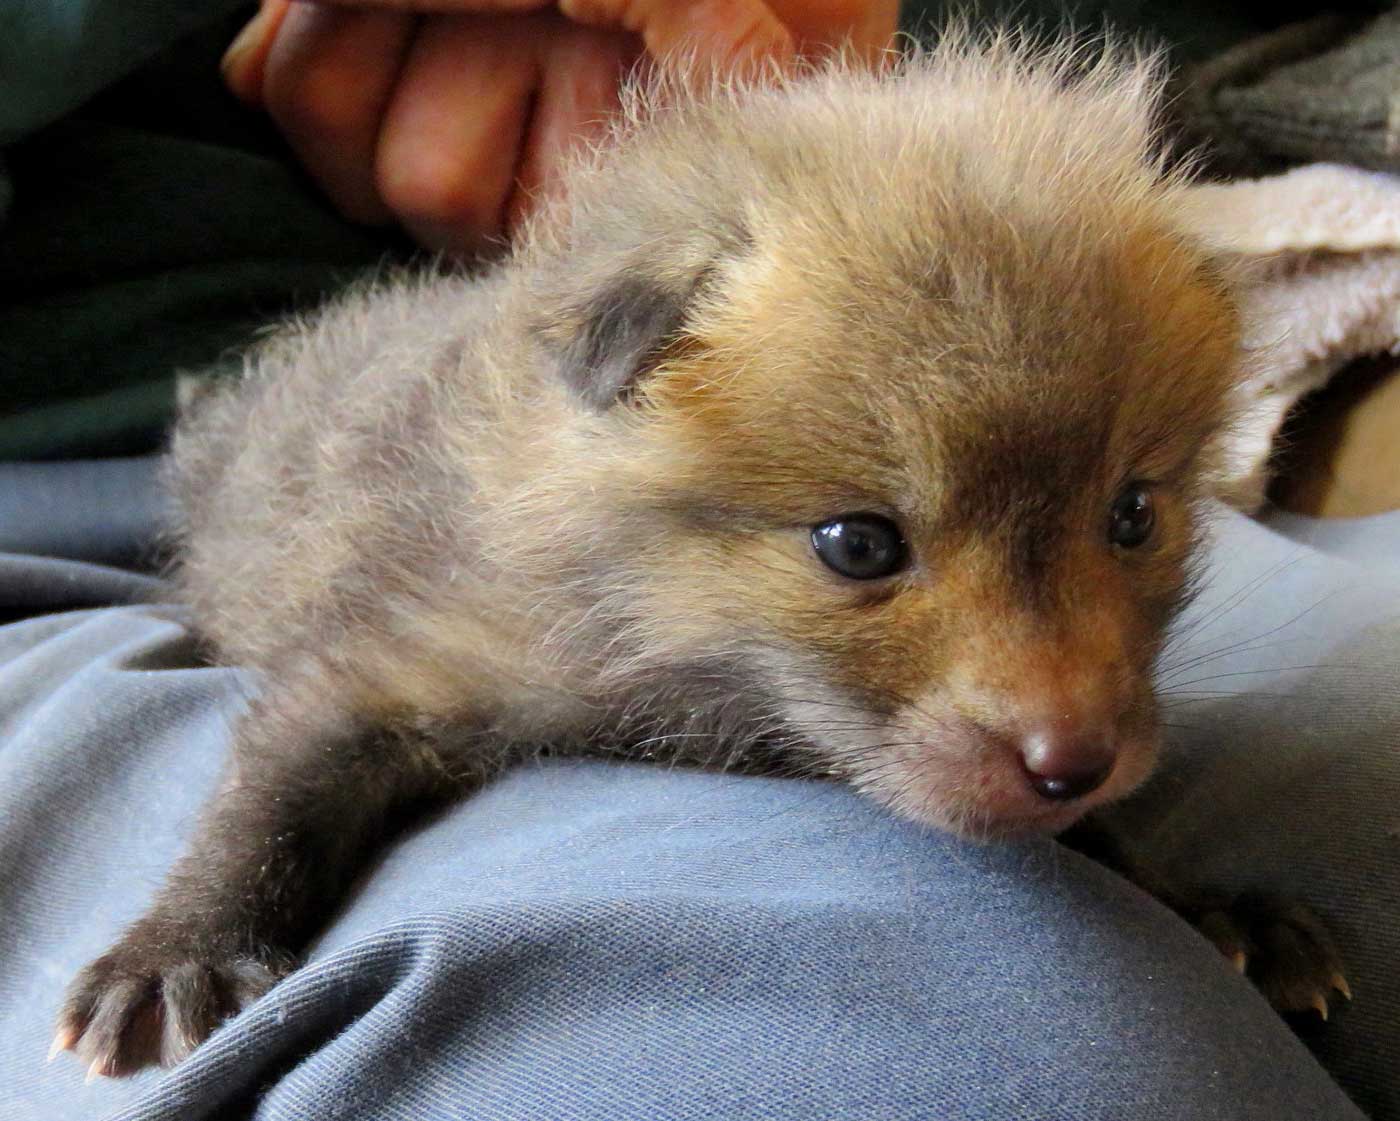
1062,766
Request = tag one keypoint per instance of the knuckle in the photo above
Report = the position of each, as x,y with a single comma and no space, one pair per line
428,185
316,98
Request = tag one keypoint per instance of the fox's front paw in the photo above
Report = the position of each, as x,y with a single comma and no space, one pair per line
157,994
1283,947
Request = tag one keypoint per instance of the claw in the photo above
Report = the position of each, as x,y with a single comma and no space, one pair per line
1320,1003
1240,960
94,1072
1340,984
63,1041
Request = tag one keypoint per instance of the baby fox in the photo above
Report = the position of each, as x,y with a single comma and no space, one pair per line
855,426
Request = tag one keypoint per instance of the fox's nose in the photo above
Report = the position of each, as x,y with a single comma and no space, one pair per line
1061,765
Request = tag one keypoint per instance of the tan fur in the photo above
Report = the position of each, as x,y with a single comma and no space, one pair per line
955,293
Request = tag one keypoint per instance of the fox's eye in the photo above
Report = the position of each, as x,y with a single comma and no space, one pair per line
1131,517
861,546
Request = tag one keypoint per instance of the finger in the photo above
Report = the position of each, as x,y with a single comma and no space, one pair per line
447,7
727,35
451,138
723,34
582,71
868,26
245,60
328,81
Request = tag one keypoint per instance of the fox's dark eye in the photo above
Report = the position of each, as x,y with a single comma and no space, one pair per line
861,546
1131,517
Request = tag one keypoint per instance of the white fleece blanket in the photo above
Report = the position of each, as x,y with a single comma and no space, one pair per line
1321,250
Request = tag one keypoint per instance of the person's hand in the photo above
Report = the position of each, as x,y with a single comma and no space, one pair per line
451,116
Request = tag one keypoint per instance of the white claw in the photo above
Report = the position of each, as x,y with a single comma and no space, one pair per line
1340,984
1240,960
62,1041
1320,1003
94,1071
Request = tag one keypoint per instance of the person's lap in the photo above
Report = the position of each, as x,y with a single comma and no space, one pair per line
594,940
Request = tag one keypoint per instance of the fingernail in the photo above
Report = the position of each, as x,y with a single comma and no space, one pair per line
765,51
752,47
245,41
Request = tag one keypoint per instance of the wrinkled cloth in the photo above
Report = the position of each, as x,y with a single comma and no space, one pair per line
1326,89
105,511
149,223
1319,288
625,942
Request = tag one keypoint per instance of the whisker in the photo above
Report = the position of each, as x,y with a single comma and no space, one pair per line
1242,646
1235,599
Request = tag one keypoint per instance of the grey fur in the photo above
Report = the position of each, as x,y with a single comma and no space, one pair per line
620,335
955,293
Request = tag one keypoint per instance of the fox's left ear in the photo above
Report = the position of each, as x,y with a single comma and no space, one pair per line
612,335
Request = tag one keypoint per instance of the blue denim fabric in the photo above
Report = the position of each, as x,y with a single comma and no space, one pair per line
106,511
612,942
586,940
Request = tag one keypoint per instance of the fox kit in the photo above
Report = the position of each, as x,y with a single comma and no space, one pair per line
852,426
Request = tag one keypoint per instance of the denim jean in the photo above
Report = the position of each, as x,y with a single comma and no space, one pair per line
624,941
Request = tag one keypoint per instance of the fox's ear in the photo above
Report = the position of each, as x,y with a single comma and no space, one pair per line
619,293
607,342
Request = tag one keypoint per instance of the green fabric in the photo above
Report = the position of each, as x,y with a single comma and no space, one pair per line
129,256
98,425
55,54
152,231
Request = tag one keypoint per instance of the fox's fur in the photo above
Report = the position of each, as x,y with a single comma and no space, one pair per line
567,502
956,289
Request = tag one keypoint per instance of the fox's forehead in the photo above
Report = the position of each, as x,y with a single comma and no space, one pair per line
1097,294
1059,375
